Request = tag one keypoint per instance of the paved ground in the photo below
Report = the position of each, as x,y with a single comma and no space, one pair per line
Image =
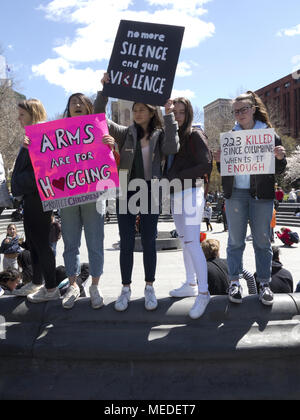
170,269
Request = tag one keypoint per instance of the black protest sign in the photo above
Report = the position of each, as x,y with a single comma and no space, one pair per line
143,62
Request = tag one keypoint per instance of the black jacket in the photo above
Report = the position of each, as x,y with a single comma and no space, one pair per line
217,271
23,180
261,186
282,279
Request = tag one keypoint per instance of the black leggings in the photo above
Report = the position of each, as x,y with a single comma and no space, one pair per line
37,230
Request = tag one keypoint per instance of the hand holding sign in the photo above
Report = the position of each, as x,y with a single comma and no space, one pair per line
280,152
248,152
169,107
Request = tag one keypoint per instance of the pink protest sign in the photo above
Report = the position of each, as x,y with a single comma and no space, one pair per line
71,164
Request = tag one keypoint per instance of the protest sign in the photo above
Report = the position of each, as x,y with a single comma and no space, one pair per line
248,152
71,164
143,62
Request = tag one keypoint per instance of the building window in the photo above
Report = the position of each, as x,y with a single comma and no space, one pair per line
277,89
267,93
287,85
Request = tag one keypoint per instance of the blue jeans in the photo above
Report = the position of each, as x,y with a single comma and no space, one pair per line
148,230
240,209
73,219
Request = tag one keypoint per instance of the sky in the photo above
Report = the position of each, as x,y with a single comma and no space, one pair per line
54,48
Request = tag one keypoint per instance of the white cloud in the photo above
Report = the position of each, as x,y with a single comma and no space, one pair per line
187,93
183,69
295,30
97,25
61,73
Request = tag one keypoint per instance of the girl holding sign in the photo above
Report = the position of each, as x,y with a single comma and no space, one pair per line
36,222
251,198
142,149
191,165
85,216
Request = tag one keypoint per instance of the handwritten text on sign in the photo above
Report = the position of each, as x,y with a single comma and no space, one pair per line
248,152
72,166
143,62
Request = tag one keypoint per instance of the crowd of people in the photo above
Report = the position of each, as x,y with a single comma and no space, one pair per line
148,149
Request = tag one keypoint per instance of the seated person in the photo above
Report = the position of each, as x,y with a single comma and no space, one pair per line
284,236
9,280
217,269
282,279
24,262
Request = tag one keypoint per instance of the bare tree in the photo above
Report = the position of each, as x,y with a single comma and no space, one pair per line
11,133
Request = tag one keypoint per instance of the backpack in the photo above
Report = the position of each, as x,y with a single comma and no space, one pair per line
294,237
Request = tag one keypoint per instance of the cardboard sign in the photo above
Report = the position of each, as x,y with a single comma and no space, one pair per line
71,164
248,152
143,62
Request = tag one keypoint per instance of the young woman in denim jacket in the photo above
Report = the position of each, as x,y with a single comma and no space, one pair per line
142,147
251,198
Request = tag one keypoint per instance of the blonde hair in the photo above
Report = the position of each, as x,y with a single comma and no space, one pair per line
211,248
35,108
261,113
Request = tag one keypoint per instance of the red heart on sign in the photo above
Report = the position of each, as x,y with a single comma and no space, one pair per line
59,183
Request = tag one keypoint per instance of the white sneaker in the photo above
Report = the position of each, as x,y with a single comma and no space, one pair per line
150,298
71,295
42,295
27,289
186,290
96,298
199,306
123,300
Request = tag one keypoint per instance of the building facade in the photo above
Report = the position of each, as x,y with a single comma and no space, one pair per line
218,113
282,99
121,111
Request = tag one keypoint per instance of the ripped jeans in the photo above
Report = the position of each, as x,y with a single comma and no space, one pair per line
240,209
187,210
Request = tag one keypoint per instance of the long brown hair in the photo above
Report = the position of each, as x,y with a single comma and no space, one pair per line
84,99
261,113
154,124
186,128
35,108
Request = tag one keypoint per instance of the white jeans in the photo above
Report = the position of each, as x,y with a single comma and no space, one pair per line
187,210
10,263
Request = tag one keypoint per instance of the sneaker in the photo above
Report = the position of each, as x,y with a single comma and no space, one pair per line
199,306
96,298
150,298
123,300
27,289
1,291
235,293
71,295
186,290
42,295
265,294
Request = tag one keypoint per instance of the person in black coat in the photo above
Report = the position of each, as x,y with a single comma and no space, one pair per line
217,270
36,222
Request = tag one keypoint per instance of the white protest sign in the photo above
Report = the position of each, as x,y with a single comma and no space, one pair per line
247,152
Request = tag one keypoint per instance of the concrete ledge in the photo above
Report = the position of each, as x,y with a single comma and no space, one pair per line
253,350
